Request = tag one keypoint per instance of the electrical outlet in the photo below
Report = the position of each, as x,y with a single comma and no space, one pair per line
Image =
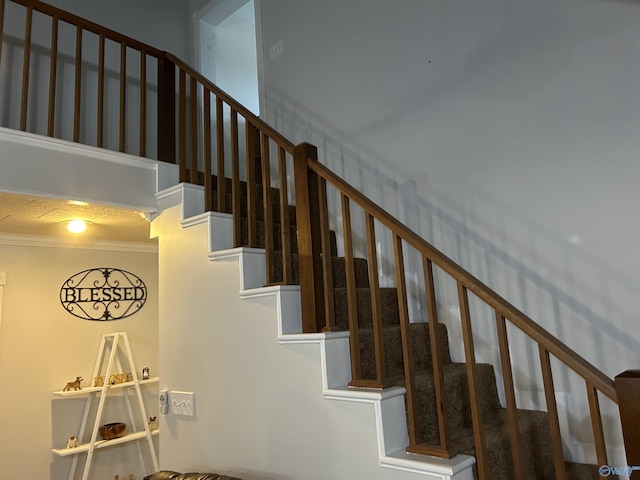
276,49
163,400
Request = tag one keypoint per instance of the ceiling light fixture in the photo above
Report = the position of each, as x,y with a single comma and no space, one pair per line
77,226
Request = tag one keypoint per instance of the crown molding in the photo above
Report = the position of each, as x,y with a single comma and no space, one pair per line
57,242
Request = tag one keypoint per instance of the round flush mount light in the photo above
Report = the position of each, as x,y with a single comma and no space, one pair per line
77,226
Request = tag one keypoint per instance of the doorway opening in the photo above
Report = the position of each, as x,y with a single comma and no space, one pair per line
226,38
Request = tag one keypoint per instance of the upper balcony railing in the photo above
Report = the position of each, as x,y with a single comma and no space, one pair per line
66,77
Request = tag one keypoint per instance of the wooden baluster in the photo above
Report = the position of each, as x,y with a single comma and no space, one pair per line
166,110
182,125
628,391
509,392
100,122
143,103
206,134
235,180
407,349
78,86
53,67
596,423
350,277
436,356
552,413
252,227
309,246
268,210
220,156
376,303
327,268
285,221
123,96
25,68
193,130
474,388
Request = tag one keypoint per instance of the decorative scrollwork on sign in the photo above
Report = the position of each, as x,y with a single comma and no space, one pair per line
103,294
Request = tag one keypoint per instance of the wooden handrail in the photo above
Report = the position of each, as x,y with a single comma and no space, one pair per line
550,343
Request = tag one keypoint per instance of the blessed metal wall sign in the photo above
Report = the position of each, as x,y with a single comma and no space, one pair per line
103,294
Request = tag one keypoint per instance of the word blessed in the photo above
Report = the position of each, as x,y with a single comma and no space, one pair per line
606,470
103,294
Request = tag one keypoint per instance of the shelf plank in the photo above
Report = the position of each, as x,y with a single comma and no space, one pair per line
87,390
84,447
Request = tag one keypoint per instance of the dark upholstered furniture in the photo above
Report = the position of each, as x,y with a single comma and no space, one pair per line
169,475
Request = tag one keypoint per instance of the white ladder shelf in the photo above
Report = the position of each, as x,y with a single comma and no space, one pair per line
112,346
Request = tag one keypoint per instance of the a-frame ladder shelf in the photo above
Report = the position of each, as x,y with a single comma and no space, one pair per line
113,354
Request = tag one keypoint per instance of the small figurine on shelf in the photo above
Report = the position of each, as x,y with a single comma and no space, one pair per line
75,385
153,423
145,373
72,442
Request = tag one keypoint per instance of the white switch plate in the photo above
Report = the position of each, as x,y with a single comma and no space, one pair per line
182,403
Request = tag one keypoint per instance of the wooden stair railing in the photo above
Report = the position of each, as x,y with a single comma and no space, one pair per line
146,55
208,146
627,393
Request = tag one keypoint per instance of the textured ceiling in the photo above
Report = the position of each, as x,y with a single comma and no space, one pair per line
28,215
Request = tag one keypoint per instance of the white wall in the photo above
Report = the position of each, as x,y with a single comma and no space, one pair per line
42,347
503,131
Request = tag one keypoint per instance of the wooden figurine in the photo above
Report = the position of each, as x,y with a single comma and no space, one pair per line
75,385
153,423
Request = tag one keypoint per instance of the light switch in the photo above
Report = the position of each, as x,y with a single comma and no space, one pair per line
182,403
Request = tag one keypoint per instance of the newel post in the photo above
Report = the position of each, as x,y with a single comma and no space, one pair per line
309,241
628,390
166,110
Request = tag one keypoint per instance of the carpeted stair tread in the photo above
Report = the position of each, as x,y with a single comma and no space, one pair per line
259,207
277,243
536,452
388,302
394,361
337,270
456,395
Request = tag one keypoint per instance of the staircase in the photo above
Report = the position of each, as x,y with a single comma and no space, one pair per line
452,409
533,425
